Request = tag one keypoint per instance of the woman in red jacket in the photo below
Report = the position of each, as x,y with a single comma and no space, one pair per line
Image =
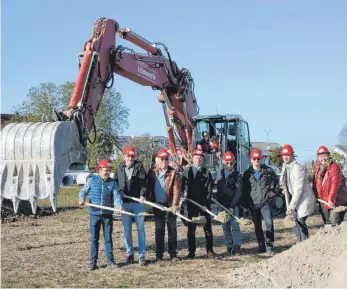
329,185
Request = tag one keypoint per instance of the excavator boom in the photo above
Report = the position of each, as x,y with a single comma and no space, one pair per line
35,156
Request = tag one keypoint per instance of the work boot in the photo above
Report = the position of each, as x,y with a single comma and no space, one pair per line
237,250
174,258
129,260
92,266
262,249
270,250
191,255
158,258
142,261
211,255
112,265
229,252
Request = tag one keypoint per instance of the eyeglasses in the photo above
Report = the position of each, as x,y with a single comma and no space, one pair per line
256,159
165,159
229,163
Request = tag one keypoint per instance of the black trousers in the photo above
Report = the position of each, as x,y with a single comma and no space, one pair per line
160,218
194,211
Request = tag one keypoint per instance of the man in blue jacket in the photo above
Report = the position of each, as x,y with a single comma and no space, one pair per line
102,190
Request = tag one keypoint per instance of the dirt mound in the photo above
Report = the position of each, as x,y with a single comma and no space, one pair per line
320,261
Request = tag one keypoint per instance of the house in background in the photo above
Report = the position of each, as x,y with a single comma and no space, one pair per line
266,148
342,150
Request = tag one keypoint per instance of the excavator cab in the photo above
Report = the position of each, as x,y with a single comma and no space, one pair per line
230,132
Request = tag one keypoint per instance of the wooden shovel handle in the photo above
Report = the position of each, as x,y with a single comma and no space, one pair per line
227,210
324,202
202,208
160,207
110,209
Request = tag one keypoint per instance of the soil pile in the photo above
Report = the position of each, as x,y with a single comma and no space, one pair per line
320,261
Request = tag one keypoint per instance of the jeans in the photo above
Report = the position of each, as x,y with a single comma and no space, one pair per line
339,217
266,212
160,233
300,230
194,211
107,226
231,229
135,208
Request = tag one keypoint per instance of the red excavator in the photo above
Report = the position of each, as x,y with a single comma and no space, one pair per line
35,156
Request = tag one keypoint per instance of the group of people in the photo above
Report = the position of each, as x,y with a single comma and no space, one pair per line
165,185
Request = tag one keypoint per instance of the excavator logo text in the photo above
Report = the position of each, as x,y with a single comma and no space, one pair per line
142,71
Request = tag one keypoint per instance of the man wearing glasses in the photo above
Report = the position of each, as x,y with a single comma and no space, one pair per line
259,184
131,179
163,187
102,190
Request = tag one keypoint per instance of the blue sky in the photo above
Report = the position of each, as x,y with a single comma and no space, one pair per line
282,65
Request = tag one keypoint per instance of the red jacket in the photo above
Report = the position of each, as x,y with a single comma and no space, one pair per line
330,184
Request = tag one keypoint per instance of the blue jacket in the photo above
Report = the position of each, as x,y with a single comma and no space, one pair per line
104,193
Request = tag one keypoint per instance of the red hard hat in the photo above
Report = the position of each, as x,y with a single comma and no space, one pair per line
256,153
198,152
322,150
228,157
287,150
214,145
163,154
129,151
104,164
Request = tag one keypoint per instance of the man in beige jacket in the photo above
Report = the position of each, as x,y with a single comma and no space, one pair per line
302,199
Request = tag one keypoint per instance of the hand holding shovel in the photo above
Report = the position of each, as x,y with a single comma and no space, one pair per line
163,208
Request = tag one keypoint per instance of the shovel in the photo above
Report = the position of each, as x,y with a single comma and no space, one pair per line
163,208
288,220
226,209
115,210
334,211
222,218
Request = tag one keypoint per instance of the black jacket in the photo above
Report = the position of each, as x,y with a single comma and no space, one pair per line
229,189
256,192
199,188
138,181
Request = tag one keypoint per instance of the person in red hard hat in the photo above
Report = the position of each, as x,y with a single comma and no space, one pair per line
198,181
131,178
302,200
229,194
102,190
259,184
164,188
329,185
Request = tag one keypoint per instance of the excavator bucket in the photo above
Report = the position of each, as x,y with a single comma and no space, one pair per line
34,159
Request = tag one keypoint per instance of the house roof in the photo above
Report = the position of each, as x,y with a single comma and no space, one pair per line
123,140
265,147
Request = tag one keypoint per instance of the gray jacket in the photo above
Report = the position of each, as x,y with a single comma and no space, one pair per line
303,199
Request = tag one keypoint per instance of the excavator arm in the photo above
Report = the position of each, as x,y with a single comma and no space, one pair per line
35,156
101,59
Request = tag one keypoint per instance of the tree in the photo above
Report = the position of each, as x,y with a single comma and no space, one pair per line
339,159
343,135
110,121
276,158
146,148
